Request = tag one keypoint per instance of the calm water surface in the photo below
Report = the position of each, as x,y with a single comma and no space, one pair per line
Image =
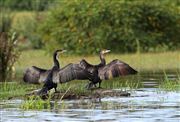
148,103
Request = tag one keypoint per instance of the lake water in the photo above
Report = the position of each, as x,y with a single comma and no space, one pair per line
147,103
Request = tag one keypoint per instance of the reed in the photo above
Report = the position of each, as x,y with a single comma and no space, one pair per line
170,85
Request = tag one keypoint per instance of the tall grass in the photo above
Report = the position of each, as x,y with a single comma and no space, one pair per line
9,90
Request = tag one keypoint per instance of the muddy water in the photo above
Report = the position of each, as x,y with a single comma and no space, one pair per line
147,103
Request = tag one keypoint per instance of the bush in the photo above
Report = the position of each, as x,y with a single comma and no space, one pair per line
26,23
88,26
156,27
8,50
26,4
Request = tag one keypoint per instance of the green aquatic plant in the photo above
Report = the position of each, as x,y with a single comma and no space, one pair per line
37,103
170,85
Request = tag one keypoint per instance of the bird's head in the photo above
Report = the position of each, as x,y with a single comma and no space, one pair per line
58,52
104,51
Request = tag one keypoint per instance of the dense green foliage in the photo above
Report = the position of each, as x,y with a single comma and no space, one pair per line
86,26
26,4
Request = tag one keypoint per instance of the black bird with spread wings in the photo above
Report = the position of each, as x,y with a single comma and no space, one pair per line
102,71
55,75
36,75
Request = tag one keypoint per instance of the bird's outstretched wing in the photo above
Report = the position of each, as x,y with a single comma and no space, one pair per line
35,75
85,64
115,68
70,72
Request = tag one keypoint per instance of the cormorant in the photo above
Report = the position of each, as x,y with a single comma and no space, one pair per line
38,75
102,71
61,75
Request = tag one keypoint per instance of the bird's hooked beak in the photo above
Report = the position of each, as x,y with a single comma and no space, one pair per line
107,51
63,51
60,52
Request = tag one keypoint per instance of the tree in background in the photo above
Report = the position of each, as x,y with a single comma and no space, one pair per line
8,48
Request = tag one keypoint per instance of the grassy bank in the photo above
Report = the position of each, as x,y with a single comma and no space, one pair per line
141,62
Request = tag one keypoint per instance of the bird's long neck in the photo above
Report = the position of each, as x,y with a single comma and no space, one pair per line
103,61
56,62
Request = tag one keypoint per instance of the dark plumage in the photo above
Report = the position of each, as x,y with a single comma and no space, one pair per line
35,75
38,75
102,71
57,75
115,68
66,74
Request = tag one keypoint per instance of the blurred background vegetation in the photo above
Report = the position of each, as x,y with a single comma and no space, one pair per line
86,26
